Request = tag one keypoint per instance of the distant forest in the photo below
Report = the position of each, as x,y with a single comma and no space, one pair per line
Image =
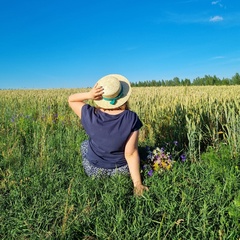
203,81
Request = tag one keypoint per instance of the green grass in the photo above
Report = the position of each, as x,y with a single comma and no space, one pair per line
48,196
45,194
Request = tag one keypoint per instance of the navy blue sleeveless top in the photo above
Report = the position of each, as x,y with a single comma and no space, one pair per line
108,135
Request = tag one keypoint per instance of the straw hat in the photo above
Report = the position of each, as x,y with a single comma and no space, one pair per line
117,90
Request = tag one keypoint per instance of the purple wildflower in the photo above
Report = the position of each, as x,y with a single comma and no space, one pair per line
150,172
175,143
183,157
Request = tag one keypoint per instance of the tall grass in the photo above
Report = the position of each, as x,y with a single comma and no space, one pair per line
45,194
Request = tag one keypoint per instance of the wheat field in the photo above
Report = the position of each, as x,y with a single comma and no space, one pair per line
45,194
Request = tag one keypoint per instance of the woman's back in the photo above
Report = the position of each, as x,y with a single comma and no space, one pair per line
108,134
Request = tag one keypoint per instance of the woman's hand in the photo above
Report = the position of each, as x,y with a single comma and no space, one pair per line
140,189
96,92
77,100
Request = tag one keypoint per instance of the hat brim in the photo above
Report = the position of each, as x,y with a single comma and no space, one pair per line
126,92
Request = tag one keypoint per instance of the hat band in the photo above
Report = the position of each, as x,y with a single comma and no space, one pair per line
114,100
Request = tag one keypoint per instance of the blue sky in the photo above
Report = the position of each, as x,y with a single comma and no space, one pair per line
71,44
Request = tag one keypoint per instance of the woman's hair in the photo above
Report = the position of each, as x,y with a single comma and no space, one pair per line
125,106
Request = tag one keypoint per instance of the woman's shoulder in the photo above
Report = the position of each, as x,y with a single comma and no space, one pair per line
88,107
131,114
132,117
128,111
88,110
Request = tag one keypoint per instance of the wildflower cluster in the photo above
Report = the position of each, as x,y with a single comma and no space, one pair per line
160,159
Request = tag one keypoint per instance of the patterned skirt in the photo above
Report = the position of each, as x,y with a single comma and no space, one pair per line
93,171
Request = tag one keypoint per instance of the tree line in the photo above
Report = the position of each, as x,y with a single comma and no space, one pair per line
199,81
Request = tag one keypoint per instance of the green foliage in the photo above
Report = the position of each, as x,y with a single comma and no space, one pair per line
207,80
45,194
234,210
193,201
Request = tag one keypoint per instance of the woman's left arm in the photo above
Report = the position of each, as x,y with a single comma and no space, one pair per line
133,160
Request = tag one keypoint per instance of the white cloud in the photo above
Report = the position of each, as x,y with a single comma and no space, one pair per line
217,3
216,19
